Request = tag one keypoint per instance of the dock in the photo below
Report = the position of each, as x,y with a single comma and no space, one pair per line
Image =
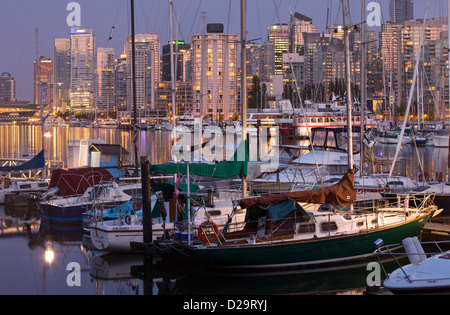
436,230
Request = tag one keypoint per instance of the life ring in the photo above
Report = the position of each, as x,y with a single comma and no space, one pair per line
205,234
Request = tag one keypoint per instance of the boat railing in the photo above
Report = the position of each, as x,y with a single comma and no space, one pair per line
413,249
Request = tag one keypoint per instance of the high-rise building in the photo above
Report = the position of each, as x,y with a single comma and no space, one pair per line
182,53
61,75
120,87
7,88
371,58
402,10
299,24
105,81
279,35
43,81
390,53
82,70
219,95
147,61
324,59
410,43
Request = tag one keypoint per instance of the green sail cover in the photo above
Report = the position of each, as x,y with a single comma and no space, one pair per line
237,165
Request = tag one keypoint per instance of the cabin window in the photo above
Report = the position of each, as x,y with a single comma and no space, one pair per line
328,226
360,223
133,192
43,185
396,183
305,228
25,186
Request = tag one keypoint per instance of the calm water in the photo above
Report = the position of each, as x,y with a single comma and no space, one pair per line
26,266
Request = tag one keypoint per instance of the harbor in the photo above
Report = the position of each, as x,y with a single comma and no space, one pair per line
222,181
27,239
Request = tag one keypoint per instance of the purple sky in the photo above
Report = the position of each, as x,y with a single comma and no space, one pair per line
19,18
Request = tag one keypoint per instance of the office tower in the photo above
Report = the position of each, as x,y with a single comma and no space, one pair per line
120,86
147,60
299,24
219,95
43,81
390,53
182,54
402,10
294,75
61,75
83,67
279,35
184,99
267,54
371,58
105,90
324,59
7,88
431,58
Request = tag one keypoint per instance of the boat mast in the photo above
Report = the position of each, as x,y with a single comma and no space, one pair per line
346,14
244,84
172,64
363,85
38,92
411,92
133,80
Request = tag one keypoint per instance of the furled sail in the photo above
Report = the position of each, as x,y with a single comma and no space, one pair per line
342,193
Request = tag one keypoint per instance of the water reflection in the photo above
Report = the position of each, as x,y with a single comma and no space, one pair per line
22,141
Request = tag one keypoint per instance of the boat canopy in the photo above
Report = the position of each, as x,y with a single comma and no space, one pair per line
236,166
75,181
342,193
36,162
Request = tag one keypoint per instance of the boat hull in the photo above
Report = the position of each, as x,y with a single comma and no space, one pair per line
332,250
68,214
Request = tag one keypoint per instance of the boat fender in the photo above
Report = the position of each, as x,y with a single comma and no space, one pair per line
411,250
419,248
204,233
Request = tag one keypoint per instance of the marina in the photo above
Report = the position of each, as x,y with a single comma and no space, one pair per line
301,191
27,239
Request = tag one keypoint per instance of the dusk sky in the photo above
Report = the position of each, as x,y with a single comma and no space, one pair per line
19,18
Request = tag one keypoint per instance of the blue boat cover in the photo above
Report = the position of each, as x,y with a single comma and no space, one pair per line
37,162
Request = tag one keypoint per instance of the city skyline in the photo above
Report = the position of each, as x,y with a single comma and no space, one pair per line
22,18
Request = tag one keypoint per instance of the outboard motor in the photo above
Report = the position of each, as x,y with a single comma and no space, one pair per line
52,192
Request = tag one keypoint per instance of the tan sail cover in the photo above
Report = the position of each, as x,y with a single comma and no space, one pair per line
342,193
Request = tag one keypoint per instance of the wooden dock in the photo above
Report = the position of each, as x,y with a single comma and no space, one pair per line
436,231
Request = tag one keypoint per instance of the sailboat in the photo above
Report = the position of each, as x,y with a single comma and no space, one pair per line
306,228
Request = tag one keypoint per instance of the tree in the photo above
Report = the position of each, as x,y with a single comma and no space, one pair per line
255,93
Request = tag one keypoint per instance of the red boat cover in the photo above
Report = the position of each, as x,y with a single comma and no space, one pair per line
342,193
75,181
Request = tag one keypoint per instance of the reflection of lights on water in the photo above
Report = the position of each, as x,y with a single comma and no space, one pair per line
48,134
49,254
